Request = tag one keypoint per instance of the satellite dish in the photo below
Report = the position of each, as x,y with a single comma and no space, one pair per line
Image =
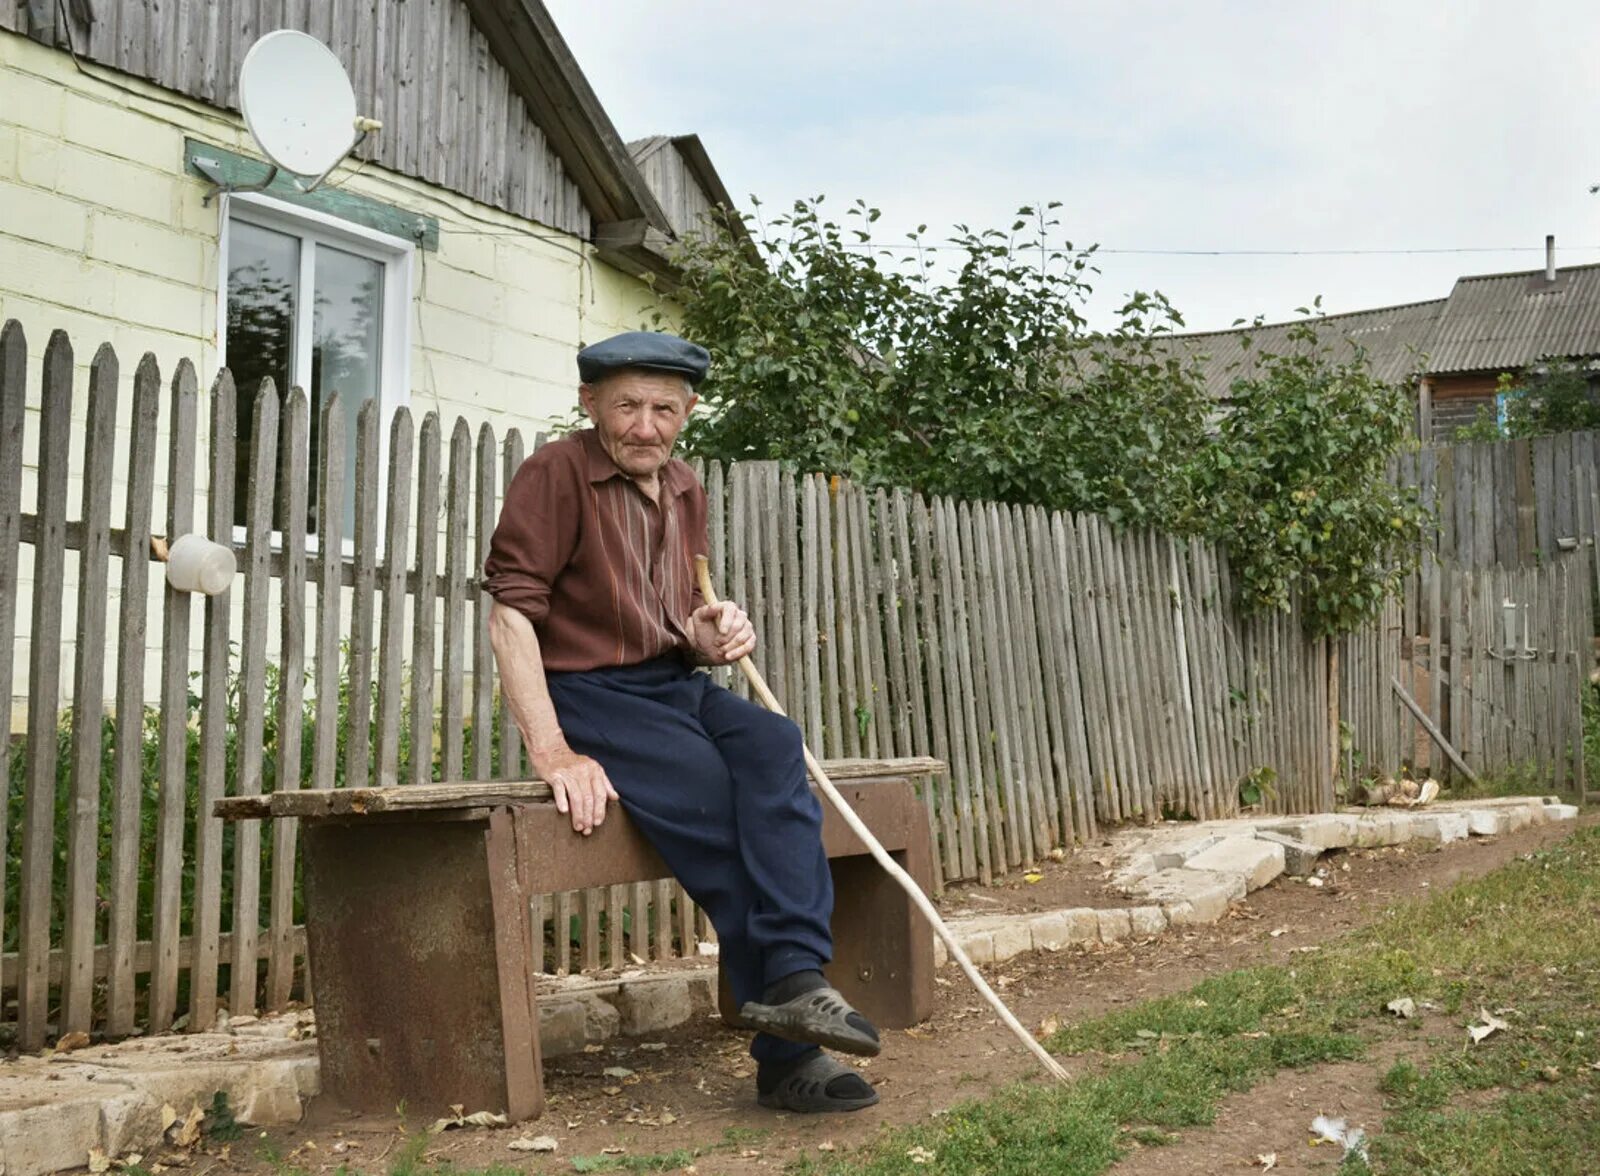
298,103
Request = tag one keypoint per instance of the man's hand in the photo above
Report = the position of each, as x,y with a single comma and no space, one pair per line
721,633
580,787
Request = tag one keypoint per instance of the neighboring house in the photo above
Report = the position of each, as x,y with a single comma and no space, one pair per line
1453,350
455,263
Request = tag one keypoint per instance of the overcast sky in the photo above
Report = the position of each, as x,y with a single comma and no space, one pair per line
1403,124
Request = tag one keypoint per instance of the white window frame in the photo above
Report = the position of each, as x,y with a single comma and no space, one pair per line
398,257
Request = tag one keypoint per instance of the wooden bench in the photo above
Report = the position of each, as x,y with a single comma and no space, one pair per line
425,955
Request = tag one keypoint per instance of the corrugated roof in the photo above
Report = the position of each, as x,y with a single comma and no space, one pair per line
1489,323
1501,321
1393,337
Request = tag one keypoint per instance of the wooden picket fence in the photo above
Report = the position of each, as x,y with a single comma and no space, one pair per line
1073,677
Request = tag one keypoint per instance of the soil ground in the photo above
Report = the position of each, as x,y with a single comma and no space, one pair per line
698,1091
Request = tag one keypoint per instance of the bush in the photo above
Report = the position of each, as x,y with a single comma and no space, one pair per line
832,355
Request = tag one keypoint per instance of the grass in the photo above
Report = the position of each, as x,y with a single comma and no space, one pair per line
1524,1101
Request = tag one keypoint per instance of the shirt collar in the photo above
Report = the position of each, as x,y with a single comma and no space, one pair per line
675,475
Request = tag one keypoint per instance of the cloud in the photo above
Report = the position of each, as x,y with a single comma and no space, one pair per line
1160,126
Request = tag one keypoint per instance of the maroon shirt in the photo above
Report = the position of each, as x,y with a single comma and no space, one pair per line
605,575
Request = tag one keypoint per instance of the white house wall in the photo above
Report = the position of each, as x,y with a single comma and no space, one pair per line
104,234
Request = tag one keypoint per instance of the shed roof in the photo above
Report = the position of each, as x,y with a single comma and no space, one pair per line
1495,322
1489,323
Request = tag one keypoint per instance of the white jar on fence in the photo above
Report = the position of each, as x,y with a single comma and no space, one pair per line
195,564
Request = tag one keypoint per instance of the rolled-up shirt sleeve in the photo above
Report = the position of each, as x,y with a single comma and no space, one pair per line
537,533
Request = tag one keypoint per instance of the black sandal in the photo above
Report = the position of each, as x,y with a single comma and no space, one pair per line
818,1084
820,1017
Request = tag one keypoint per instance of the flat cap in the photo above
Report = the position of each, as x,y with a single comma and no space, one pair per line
653,350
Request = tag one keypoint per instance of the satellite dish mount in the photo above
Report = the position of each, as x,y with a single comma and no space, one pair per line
300,109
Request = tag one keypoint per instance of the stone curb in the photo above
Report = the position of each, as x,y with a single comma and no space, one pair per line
55,1108
1195,880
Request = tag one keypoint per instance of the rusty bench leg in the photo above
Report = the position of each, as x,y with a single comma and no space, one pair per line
418,932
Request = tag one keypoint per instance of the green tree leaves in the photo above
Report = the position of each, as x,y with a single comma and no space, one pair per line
981,380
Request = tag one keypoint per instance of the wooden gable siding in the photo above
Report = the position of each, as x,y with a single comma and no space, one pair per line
673,184
422,67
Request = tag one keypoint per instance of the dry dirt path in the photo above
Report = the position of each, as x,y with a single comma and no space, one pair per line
697,1092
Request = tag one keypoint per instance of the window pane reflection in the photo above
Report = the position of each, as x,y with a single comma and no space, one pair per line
263,273
346,345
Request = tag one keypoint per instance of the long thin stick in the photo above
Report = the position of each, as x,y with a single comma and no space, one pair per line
1433,731
907,883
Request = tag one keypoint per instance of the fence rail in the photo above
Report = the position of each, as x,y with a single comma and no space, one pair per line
1072,676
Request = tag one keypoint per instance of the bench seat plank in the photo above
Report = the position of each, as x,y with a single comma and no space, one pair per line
338,802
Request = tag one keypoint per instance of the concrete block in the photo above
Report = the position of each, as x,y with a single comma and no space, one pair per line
1299,858
1561,812
563,1027
1180,913
1179,855
44,217
1206,894
269,1095
1487,822
1256,861
1324,830
1135,869
129,1122
649,1006
118,131
49,1136
149,248
1520,816
1440,828
1378,829
1147,921
1051,931
1083,924
1011,938
979,946
1114,925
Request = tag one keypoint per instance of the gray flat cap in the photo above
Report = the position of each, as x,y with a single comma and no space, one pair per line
653,350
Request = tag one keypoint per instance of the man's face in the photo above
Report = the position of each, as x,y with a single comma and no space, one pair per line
638,415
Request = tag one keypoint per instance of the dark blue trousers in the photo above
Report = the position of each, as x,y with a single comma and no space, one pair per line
718,785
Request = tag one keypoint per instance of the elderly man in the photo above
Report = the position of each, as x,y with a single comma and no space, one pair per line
596,627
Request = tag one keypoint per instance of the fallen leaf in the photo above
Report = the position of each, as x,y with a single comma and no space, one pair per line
613,1150
1033,876
750,1153
1049,1027
827,1144
98,1161
539,1143
1403,1007
1491,1023
458,1119
617,1072
169,1116
77,1039
1551,1074
1275,932
185,1132
920,1155
1268,1161
611,1090
653,1046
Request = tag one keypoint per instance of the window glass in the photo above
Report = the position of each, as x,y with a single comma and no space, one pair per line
263,280
347,340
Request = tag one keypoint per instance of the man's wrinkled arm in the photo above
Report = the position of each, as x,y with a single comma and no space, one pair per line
516,652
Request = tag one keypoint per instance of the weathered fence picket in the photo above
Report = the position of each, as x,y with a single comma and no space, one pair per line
1071,675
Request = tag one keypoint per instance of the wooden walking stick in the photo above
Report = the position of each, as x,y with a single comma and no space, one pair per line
907,883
